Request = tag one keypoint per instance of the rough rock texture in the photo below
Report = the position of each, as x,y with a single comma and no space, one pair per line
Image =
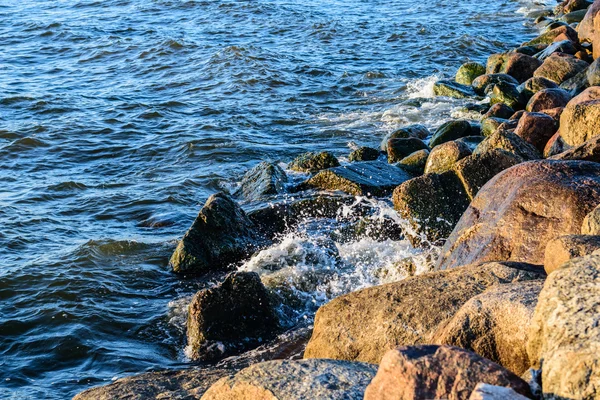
444,156
494,324
295,380
589,28
534,85
591,223
468,72
452,89
221,235
364,154
580,121
519,66
509,142
491,124
536,129
483,391
416,131
559,67
363,325
449,131
562,46
549,36
565,248
518,212
555,146
509,94
546,99
367,178
230,317
471,141
481,83
415,162
313,162
499,111
564,336
437,372
261,181
398,148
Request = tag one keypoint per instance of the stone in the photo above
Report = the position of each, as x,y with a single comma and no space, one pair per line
520,210
432,204
313,162
507,93
295,380
563,46
450,130
494,324
517,115
365,324
580,120
509,142
565,248
589,28
452,89
481,83
415,162
500,110
591,223
573,16
549,36
564,335
592,73
569,6
367,178
262,181
229,318
437,372
399,148
533,85
444,156
555,146
491,125
483,391
510,125
221,235
548,98
471,141
530,50
536,129
519,66
416,130
364,154
468,72
555,113
588,151
559,67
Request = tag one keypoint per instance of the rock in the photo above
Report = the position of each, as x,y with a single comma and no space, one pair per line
580,120
554,146
499,111
591,223
185,384
399,148
510,142
548,98
592,74
533,85
481,83
415,162
432,204
520,210
519,66
563,46
295,380
367,178
507,93
564,336
530,50
588,151
471,141
568,6
452,89
517,115
468,72
221,235
263,180
510,125
573,17
437,372
494,324
365,324
416,131
483,391
565,248
364,154
476,170
559,67
229,318
555,113
536,129
444,156
549,36
491,125
313,162
450,130
589,28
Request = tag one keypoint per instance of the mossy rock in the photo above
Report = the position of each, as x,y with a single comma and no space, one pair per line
507,93
399,148
490,125
481,84
415,162
313,162
468,72
364,154
453,89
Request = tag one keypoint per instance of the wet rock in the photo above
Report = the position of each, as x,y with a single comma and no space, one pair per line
491,125
563,46
410,131
399,148
509,142
263,180
471,141
452,89
500,110
368,178
519,66
295,380
365,324
588,151
313,162
565,248
437,372
536,129
591,223
483,391
468,72
564,336
444,156
450,130
580,120
432,204
533,85
588,29
520,210
510,125
530,50
364,154
507,93
221,235
548,98
555,146
415,162
494,324
559,67
517,115
481,83
549,36
229,318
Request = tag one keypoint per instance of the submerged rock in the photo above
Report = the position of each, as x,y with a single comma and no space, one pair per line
468,72
313,162
452,89
364,154
261,181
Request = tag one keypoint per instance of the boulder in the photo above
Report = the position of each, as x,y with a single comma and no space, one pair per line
471,141
568,6
510,125
536,129
364,154
416,131
437,372
221,235
399,148
226,319
494,324
444,156
507,93
415,162
519,66
262,181
555,113
559,67
468,72
313,162
365,324
517,115
500,110
580,120
589,28
491,125
367,178
565,248
549,36
483,391
588,151
509,142
295,380
450,130
481,83
574,17
564,335
452,89
546,99
531,50
533,85
520,210
591,223
555,146
563,46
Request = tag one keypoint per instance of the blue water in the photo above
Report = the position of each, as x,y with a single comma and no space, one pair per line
118,118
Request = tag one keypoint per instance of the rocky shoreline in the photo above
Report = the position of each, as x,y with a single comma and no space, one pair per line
509,309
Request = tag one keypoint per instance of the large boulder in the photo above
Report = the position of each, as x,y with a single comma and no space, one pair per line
519,66
547,99
295,380
509,142
565,248
450,130
588,151
468,72
520,210
589,28
264,180
398,148
580,120
444,156
364,325
229,318
437,372
536,129
591,223
313,162
221,235
564,335
494,324
481,83
559,67
452,89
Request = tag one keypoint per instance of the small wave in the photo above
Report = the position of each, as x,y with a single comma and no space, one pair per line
111,247
67,186
26,143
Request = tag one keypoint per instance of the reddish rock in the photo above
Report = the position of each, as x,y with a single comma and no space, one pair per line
548,37
554,113
398,148
565,248
589,28
548,98
559,67
519,66
554,146
499,110
536,129
588,151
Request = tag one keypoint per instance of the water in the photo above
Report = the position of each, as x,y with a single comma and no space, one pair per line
118,118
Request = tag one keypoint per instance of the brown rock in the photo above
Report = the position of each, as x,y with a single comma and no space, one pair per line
483,391
481,83
554,146
510,142
554,113
445,155
399,148
565,248
588,151
519,66
499,110
546,99
548,37
589,29
559,67
580,120
591,223
536,129
533,85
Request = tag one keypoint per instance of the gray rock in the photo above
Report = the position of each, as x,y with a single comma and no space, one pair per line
507,93
263,180
480,84
450,130
563,46
534,85
313,162
398,148
415,162
415,131
443,157
491,124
